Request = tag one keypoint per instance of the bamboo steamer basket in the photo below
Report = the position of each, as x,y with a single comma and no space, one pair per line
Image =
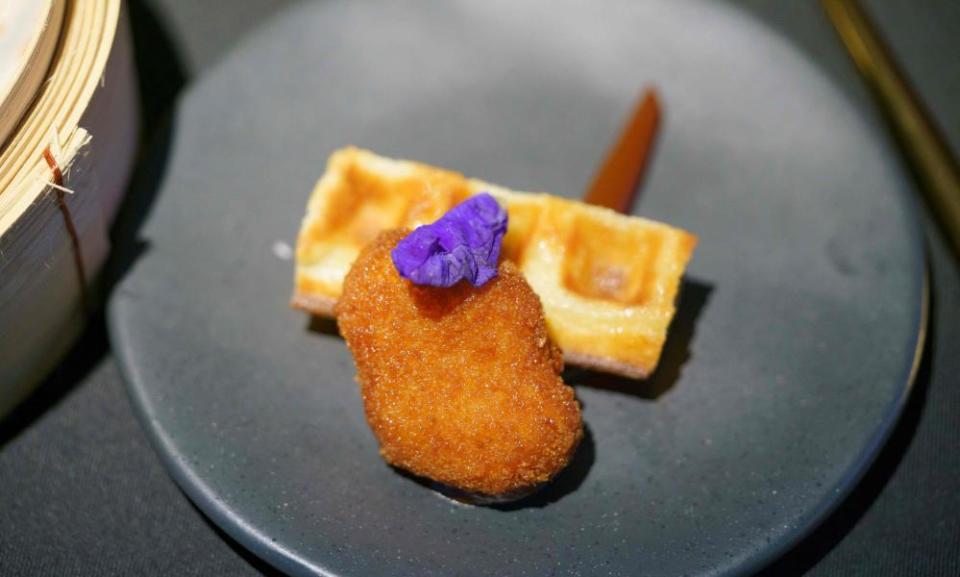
69,124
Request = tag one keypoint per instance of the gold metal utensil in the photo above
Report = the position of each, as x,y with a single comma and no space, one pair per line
922,144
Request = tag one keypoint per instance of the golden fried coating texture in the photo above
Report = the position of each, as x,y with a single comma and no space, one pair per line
460,385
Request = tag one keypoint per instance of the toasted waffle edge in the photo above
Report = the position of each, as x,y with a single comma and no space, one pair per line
433,191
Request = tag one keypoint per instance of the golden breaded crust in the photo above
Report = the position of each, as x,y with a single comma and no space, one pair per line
607,281
460,385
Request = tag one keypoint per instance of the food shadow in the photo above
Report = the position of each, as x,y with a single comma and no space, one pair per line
694,296
326,326
566,482
161,76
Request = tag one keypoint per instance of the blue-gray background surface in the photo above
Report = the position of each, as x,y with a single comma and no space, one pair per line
82,492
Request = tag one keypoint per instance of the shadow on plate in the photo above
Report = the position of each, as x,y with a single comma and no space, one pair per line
565,483
694,295
161,75
323,326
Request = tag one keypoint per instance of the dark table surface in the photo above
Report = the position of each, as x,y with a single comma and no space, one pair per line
83,493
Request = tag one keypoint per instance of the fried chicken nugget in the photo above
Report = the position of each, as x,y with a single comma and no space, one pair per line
460,385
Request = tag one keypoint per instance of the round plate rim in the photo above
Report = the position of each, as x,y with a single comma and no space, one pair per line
289,562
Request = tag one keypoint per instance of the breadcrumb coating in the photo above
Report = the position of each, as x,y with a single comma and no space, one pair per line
460,385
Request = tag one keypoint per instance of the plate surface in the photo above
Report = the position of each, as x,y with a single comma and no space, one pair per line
786,368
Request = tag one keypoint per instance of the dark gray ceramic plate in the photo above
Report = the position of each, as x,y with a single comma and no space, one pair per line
786,368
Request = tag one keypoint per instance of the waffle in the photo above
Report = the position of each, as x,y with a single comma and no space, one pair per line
607,281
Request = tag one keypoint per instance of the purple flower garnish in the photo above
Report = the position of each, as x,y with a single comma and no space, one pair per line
462,244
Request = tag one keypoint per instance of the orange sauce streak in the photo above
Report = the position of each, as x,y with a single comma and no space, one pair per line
616,182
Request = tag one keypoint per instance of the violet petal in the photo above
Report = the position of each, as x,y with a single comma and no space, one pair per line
463,244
